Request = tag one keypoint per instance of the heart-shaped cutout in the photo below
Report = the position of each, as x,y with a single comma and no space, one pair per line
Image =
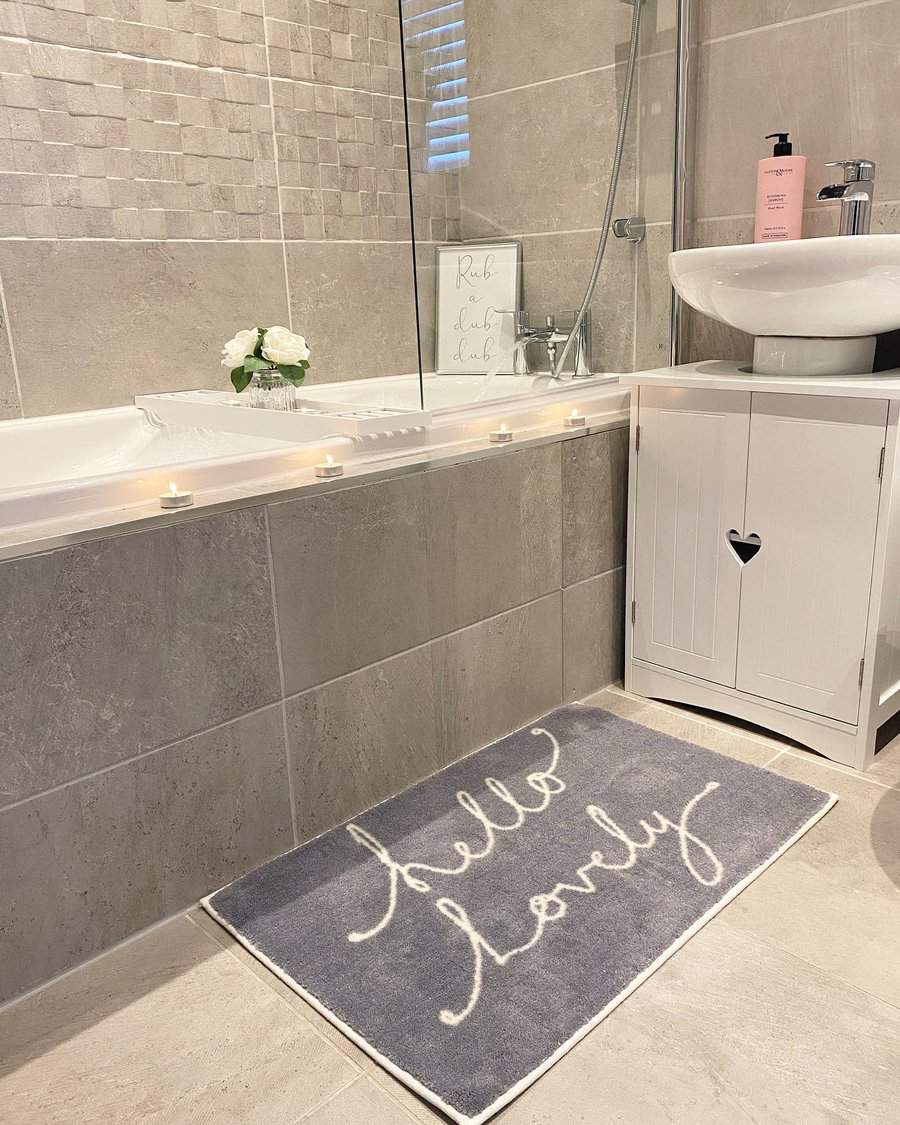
744,546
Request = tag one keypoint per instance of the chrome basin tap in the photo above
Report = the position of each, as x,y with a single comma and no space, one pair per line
855,194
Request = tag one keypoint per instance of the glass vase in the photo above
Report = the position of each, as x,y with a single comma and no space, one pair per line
269,390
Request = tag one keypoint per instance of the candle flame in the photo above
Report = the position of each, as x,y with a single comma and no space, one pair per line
575,412
173,487
502,427
329,460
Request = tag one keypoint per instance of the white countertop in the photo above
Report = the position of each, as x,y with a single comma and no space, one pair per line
724,375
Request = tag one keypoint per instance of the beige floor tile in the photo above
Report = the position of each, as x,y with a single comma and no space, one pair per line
886,767
730,1031
834,898
712,734
362,1103
784,1010
885,770
167,1030
416,1107
327,1030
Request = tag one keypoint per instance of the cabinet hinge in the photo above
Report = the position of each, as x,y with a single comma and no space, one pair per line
862,665
881,463
637,439
633,612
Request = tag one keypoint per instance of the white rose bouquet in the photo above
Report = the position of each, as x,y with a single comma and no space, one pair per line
266,349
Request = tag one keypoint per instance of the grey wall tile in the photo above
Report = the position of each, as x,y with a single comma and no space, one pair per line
654,101
494,538
541,157
518,42
10,407
497,675
555,272
705,338
360,739
595,486
350,574
132,318
653,304
105,145
874,44
717,19
90,863
747,86
593,634
118,646
354,303
170,1028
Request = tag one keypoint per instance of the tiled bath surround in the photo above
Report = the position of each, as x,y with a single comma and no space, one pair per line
180,704
825,69
172,171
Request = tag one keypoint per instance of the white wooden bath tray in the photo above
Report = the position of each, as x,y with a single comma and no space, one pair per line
312,419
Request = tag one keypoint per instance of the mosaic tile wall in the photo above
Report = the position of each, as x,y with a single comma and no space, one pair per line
205,159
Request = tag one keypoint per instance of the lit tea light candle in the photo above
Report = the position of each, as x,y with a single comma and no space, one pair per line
329,467
176,497
503,434
576,419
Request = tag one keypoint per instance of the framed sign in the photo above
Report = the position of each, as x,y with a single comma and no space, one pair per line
478,289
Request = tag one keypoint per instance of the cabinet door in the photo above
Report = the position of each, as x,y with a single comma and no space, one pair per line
691,481
812,496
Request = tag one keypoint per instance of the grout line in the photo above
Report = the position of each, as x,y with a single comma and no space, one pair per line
775,26
810,210
280,655
214,241
572,74
4,309
544,82
375,1073
838,767
137,757
278,196
180,64
279,702
593,578
426,644
829,974
296,1010
331,1097
137,936
773,759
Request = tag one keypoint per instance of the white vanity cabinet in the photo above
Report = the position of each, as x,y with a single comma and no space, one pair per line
764,551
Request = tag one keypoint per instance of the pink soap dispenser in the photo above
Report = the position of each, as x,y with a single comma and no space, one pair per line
779,193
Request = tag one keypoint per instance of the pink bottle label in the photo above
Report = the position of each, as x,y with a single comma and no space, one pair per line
779,200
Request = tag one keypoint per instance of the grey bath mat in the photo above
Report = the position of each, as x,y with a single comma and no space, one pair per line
468,932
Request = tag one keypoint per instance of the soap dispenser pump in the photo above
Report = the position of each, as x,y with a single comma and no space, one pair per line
779,192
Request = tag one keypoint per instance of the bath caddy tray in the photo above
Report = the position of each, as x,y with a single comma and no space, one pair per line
310,420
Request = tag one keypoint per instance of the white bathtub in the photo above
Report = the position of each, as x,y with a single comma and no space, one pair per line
100,467
97,460
449,392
